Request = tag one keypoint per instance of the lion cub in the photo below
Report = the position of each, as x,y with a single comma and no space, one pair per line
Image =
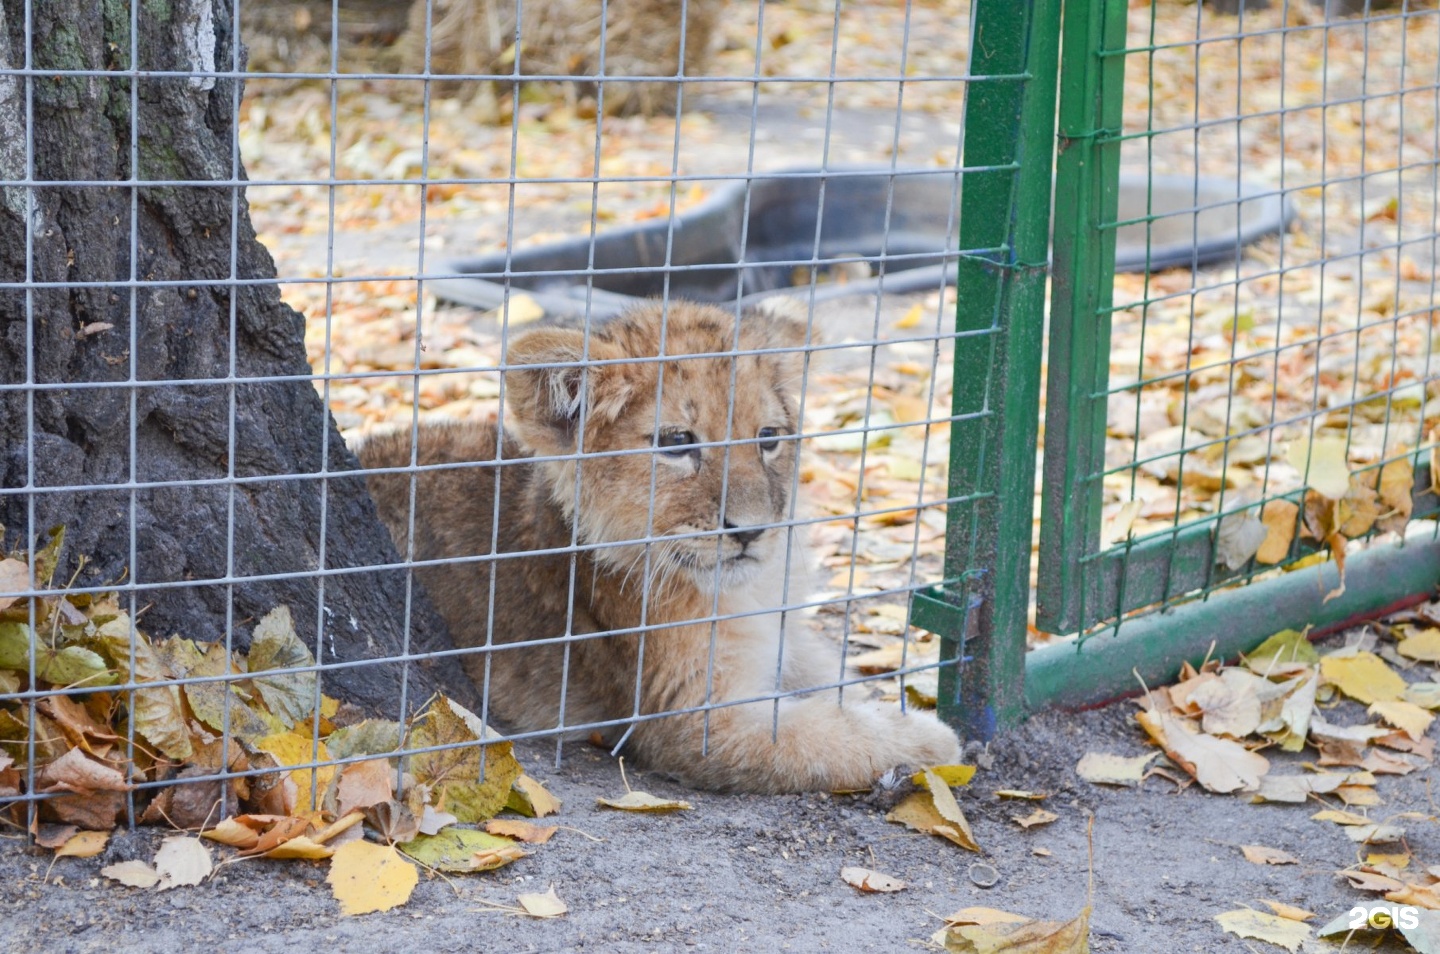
592,626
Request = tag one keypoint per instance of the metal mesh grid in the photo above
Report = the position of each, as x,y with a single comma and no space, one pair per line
358,189
1326,331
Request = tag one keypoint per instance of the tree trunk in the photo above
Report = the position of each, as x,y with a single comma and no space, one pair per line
157,445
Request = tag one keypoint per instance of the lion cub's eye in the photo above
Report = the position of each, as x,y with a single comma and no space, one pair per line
768,438
677,443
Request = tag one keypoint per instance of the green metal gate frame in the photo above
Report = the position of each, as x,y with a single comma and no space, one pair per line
1013,133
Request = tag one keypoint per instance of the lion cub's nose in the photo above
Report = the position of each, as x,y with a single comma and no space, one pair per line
745,536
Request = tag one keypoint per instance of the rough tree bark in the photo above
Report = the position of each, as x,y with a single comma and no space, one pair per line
81,436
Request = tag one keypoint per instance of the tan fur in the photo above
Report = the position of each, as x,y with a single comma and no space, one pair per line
669,589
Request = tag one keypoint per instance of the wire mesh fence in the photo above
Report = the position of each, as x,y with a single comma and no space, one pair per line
215,610
1269,409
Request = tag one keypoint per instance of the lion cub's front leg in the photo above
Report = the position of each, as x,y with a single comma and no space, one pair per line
814,745
793,744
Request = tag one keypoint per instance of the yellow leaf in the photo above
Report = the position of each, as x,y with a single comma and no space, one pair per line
1322,464
301,847
366,877
531,799
336,827
1405,716
1340,818
918,813
643,802
291,748
1362,676
1271,928
951,775
912,317
233,833
1022,937
870,881
86,844
1424,646
1105,769
1289,910
547,905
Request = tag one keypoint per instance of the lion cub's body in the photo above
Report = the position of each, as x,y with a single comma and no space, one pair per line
694,610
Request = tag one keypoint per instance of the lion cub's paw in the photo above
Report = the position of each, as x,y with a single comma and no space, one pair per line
917,739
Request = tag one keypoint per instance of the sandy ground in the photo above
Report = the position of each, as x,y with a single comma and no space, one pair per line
761,873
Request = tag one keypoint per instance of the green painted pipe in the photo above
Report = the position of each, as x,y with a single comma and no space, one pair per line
1230,622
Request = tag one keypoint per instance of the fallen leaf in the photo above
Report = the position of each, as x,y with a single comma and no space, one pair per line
1362,676
643,802
182,860
531,799
275,645
951,775
1259,926
522,830
1278,516
1339,817
363,784
1322,464
301,847
366,877
86,844
1424,645
1038,817
1260,855
547,905
1018,794
1024,937
1409,718
1219,765
136,874
456,777
431,821
871,881
233,833
462,850
1283,653
1238,538
1375,834
1424,694
1106,769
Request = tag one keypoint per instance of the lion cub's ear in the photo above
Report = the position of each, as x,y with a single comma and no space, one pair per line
545,404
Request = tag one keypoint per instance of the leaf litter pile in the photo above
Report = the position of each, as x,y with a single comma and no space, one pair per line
120,720
1354,718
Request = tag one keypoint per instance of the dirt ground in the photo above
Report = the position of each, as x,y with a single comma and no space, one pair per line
762,873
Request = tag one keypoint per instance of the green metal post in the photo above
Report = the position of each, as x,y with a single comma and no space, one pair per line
1087,186
980,612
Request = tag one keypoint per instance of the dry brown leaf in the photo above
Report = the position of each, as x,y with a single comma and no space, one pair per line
1261,855
870,881
1217,764
1038,817
1278,516
363,784
522,830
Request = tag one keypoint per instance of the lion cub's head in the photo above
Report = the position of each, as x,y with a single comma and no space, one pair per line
685,426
